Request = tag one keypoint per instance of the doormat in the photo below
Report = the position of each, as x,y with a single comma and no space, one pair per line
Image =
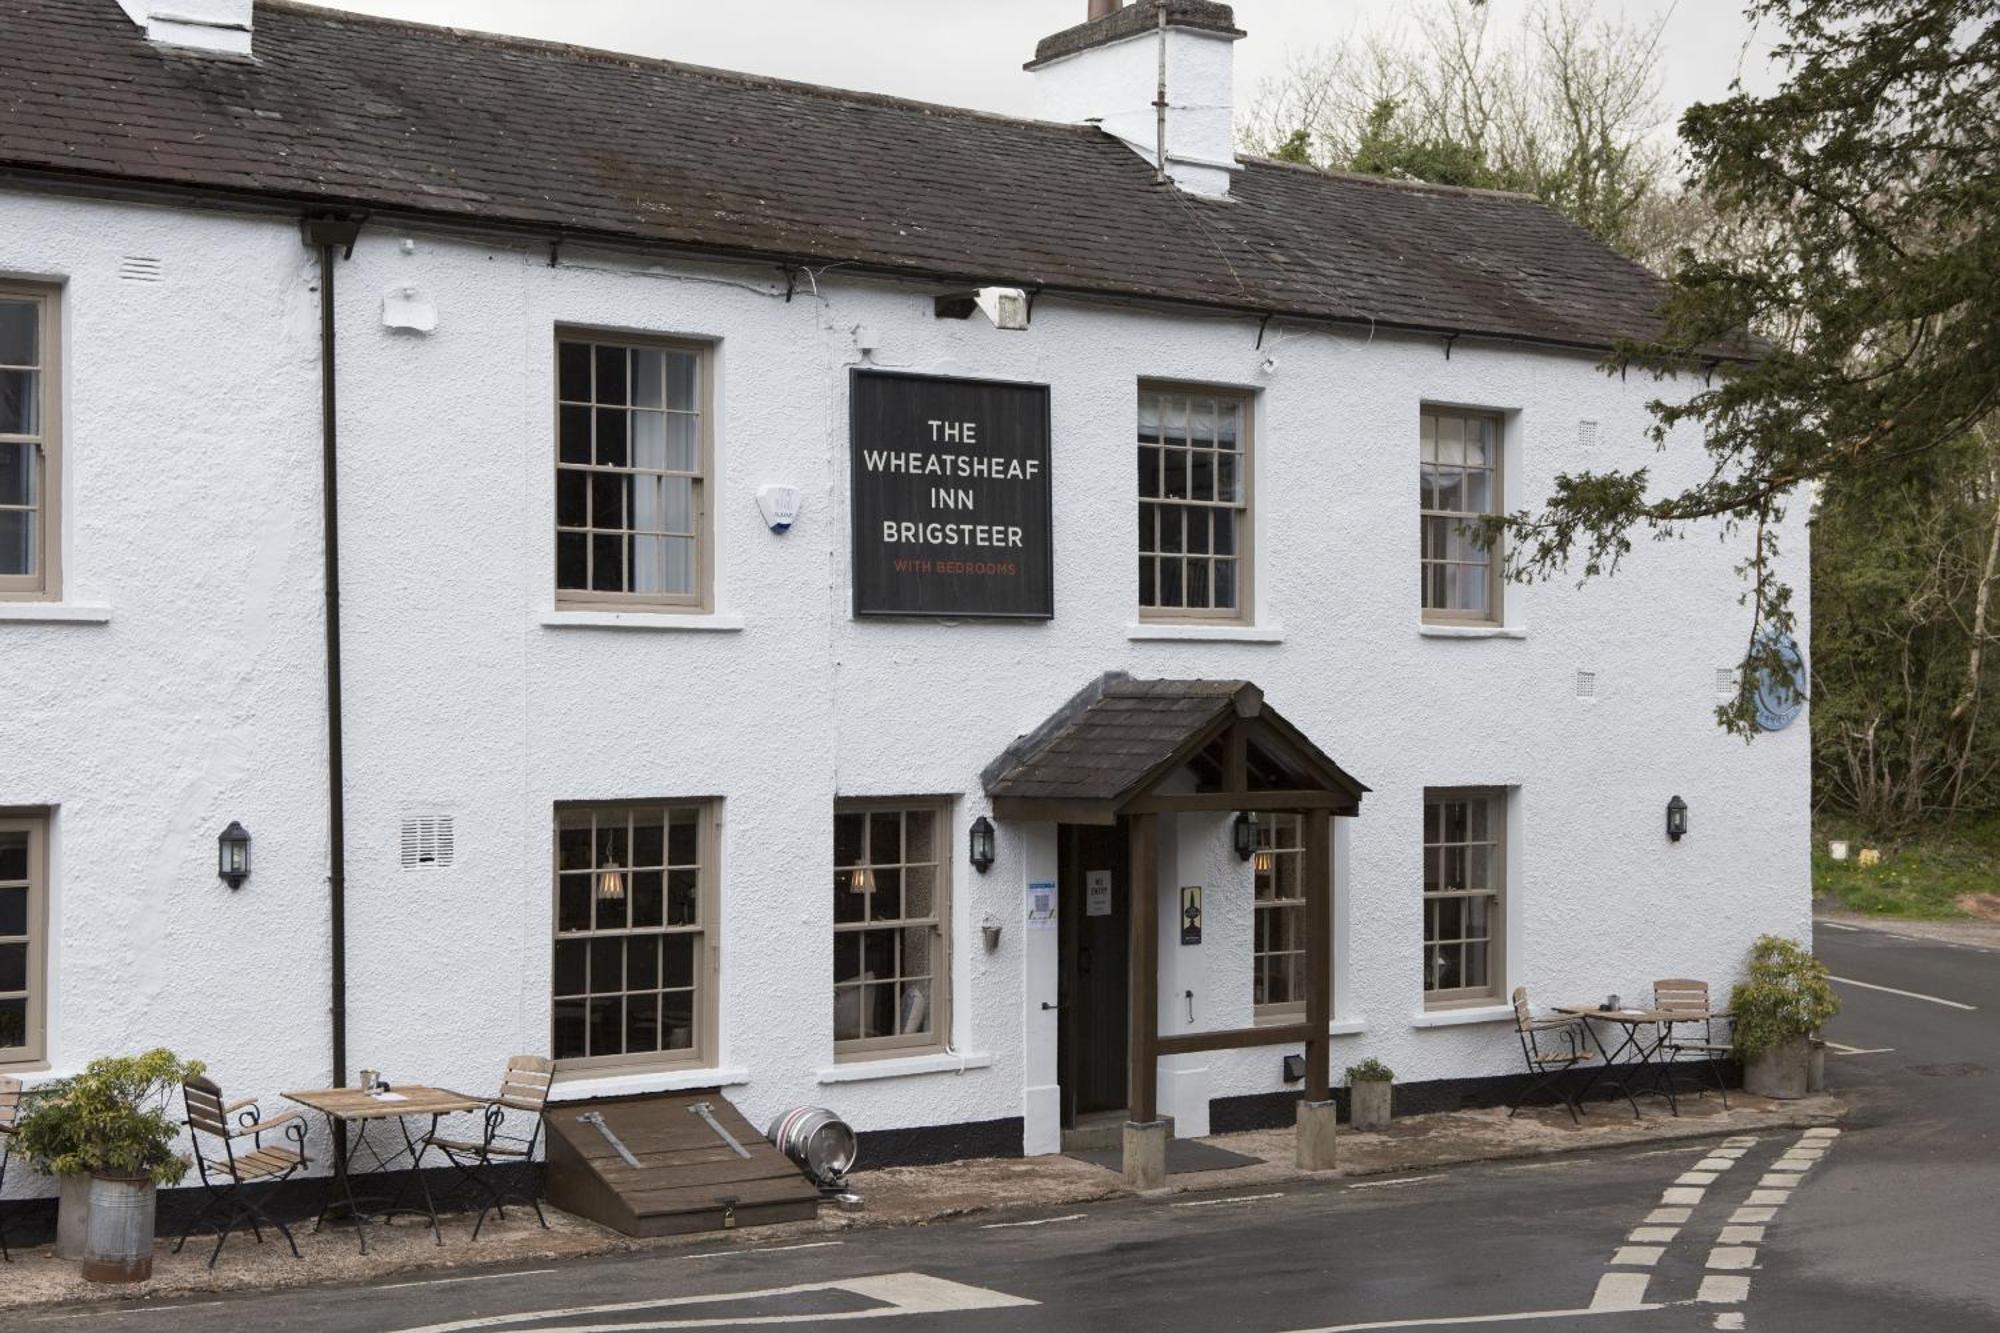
1184,1157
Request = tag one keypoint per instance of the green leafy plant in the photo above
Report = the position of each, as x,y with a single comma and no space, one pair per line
110,1119
1785,995
1370,1070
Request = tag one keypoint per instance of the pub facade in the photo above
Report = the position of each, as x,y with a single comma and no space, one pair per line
969,622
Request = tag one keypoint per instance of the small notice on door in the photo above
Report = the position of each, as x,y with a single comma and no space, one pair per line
1042,905
1097,893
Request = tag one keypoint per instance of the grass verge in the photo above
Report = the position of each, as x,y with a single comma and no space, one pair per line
1925,876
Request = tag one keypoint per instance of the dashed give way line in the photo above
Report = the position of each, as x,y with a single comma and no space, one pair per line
899,1294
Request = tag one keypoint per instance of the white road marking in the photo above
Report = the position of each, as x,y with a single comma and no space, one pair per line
1695,1178
1455,1320
1384,1184
1715,1164
1729,1319
1682,1194
1839,1049
138,1309
1733,1256
480,1277
1741,1141
1775,1197
901,1294
1729,1153
1790,1165
1653,1235
1752,1215
761,1249
1669,1215
1906,994
1638,1256
1742,1236
1835,925
1776,1180
1033,1222
1234,1198
1821,1132
1662,1152
1620,1291
1721,1289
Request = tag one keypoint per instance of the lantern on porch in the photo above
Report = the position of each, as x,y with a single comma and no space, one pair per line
979,844
1245,833
1677,819
232,855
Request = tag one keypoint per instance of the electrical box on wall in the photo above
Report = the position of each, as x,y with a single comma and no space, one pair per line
779,505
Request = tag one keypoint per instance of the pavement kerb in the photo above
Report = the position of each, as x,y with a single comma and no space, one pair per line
37,1281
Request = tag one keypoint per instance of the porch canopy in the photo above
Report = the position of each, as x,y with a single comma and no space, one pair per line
1138,749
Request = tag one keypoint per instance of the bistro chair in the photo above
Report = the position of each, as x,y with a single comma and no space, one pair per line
498,1164
225,1170
1552,1047
1692,1039
10,1114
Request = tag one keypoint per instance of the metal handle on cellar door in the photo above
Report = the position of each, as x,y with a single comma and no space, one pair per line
1046,1006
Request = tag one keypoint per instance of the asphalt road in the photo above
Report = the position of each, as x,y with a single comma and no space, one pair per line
1894,1225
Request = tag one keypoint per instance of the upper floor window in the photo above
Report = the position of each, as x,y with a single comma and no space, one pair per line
1465,878
633,462
1194,504
24,896
1460,473
891,904
29,440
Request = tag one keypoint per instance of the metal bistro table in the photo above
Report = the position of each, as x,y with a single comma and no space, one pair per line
1643,1070
357,1111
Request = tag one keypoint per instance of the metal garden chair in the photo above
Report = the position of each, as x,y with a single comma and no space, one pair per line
1692,1039
225,1174
1552,1047
496,1163
10,1114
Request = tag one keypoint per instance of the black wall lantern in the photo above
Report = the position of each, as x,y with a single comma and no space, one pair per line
232,855
979,844
1677,819
1245,834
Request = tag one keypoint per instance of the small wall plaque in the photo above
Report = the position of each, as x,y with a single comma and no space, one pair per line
1191,914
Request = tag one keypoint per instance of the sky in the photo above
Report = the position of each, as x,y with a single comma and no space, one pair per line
970,52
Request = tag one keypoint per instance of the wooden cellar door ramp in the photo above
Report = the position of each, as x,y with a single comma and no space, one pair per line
687,1177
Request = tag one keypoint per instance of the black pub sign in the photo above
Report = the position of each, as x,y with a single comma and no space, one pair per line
950,501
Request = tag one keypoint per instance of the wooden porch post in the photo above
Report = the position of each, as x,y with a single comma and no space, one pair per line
1143,1021
1319,950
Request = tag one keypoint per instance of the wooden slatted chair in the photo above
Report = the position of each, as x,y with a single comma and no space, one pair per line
226,1173
10,1114
1552,1047
1690,1040
489,1161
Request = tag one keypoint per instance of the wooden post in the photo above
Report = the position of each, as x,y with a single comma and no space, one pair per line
1318,927
1143,1021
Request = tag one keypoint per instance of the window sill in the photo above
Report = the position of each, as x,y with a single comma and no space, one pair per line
1162,631
938,1062
631,1085
1451,1018
1347,1027
690,622
1430,631
54,613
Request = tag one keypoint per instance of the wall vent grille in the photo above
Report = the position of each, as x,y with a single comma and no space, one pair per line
1586,434
1586,685
141,268
428,841
1725,682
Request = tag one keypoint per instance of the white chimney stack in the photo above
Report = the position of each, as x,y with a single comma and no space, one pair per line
218,26
1111,70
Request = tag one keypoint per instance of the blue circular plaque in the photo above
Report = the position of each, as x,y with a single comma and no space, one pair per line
1778,704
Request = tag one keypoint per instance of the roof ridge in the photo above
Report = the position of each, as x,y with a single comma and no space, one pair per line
325,10
1393,182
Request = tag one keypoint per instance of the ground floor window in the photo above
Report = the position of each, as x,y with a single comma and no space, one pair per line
23,940
1465,868
634,907
1278,968
890,904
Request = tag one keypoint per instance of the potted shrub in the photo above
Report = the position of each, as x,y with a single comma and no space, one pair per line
1781,1003
1369,1093
110,1126
44,1139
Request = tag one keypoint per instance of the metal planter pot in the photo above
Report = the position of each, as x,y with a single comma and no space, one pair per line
1369,1103
1781,1072
119,1240
72,1215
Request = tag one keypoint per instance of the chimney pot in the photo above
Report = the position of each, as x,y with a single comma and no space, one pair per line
1101,8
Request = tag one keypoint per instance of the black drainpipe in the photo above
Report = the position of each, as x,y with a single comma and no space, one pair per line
327,234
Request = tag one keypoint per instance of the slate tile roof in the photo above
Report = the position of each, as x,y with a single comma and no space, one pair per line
402,118
1109,738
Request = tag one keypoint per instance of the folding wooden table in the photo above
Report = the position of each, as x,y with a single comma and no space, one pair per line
346,1108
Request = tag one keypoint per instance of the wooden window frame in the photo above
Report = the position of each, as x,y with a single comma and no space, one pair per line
702,599
45,584
34,1050
1285,1011
938,1037
1244,508
1499,801
707,962
1495,574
